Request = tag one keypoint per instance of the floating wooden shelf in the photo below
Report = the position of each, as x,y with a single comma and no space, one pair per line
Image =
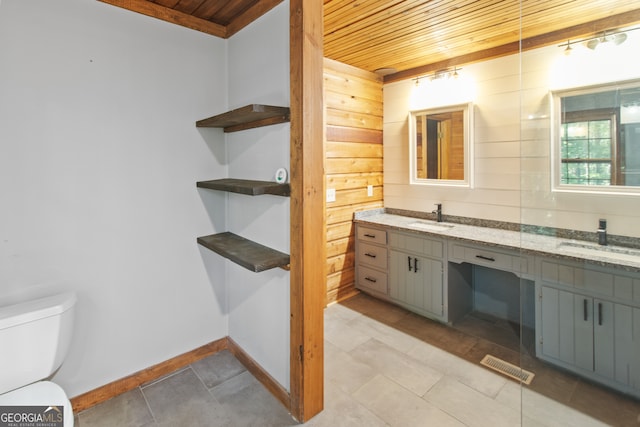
246,186
251,255
251,116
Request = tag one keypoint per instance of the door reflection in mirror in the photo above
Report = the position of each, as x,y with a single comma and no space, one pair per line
439,145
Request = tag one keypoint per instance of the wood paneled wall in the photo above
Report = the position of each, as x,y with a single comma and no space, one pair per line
353,161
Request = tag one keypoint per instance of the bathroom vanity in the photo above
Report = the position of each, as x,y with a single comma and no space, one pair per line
585,299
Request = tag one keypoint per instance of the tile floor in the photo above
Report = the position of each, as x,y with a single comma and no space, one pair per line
384,366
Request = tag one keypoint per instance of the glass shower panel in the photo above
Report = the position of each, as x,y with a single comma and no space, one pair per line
579,315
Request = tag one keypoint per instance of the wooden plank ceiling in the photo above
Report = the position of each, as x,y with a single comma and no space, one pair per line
408,35
221,18
413,36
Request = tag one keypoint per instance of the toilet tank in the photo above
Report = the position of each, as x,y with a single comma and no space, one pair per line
34,339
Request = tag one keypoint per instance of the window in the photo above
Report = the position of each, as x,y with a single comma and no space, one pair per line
587,148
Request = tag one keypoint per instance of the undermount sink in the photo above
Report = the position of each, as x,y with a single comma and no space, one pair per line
616,252
431,226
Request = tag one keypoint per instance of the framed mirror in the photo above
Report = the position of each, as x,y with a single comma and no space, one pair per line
440,146
596,140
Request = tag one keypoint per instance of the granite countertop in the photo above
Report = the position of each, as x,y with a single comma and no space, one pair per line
528,243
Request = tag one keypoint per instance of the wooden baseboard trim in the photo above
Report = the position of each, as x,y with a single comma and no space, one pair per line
115,388
261,375
123,385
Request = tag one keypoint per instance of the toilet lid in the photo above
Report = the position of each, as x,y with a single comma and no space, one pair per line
42,393
41,308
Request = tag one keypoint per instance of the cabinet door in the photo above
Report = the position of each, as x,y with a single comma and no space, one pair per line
567,327
416,281
627,345
402,280
433,295
603,338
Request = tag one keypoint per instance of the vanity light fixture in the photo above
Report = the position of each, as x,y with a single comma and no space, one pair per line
447,74
616,39
608,36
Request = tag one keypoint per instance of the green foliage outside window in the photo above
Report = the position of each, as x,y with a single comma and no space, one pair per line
586,152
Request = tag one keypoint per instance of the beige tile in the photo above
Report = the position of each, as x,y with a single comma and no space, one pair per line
340,311
249,403
470,374
550,382
340,409
128,409
343,371
342,335
163,377
393,355
410,373
511,396
218,368
528,422
490,328
399,407
384,333
599,403
551,412
435,357
437,334
379,310
474,409
182,399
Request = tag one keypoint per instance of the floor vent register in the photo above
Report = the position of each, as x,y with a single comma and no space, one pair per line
507,369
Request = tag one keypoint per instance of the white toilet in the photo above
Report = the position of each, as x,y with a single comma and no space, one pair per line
34,339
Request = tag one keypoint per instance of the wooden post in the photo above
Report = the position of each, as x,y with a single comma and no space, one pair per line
308,229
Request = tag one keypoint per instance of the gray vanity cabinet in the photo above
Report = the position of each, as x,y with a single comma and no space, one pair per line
416,273
577,330
587,314
588,321
407,269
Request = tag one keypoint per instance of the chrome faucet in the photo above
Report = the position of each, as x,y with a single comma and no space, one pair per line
438,212
602,232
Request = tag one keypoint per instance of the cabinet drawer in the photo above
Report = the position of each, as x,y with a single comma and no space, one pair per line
372,279
478,255
375,256
417,244
577,276
373,235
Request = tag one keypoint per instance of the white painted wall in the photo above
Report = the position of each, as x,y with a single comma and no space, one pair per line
98,165
512,144
259,302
